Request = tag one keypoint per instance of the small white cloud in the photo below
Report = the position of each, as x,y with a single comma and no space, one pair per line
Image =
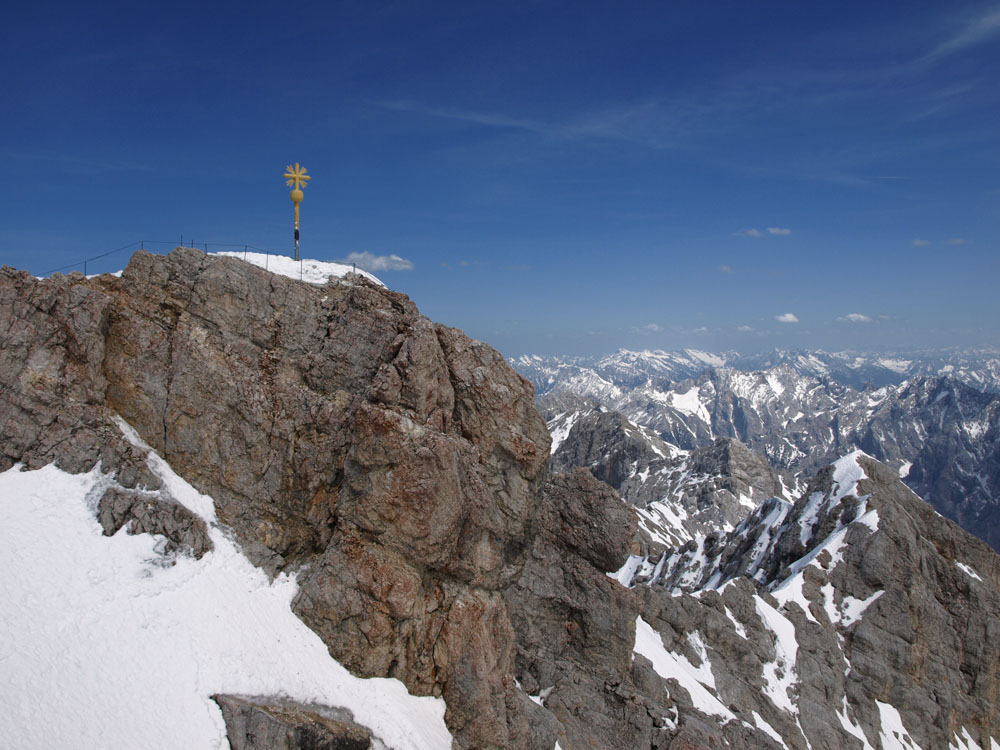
745,329
779,230
650,328
748,233
724,268
920,243
956,241
371,262
854,318
787,318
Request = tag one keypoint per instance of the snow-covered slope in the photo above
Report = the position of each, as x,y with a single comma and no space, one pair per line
840,620
113,642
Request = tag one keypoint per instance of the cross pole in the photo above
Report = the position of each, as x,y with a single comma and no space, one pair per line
296,178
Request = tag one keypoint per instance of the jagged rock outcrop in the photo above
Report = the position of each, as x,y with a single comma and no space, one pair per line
679,495
397,461
604,441
152,513
254,724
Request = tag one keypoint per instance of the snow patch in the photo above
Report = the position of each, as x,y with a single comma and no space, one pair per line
779,675
852,610
968,571
673,666
965,741
689,403
893,734
790,590
309,271
626,573
562,430
852,728
767,728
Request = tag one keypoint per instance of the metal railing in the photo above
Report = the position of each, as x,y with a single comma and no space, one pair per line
150,245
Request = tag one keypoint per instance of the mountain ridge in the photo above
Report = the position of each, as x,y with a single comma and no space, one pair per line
401,471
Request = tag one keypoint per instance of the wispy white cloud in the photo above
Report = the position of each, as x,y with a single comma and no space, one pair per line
745,329
854,318
371,262
920,243
725,268
779,231
975,31
787,318
956,241
490,119
649,328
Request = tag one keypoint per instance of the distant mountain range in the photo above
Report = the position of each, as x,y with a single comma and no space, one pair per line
932,418
626,369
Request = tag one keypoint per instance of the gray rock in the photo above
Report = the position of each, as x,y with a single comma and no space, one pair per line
151,513
281,724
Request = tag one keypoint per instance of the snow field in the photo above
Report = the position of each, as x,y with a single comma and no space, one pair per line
104,642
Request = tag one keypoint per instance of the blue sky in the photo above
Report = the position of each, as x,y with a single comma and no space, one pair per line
559,178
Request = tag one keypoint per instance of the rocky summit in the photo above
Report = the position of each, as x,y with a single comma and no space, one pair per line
399,473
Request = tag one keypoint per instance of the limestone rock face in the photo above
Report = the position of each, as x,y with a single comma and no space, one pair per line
52,384
576,625
396,461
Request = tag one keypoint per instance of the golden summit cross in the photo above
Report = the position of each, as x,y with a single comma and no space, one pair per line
296,178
